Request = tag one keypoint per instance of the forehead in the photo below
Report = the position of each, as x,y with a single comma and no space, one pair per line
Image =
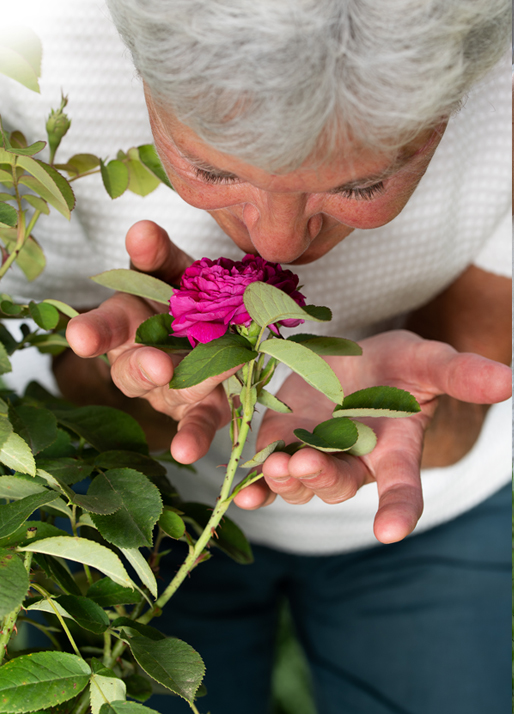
348,165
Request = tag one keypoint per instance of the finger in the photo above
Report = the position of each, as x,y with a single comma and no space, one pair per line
198,427
108,327
151,251
395,464
437,368
257,495
140,370
278,477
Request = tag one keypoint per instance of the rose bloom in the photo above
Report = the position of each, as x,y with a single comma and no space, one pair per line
210,297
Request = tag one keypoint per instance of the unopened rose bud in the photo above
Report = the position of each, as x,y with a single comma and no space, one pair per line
57,127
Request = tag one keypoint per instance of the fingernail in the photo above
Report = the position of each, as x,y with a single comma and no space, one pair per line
307,477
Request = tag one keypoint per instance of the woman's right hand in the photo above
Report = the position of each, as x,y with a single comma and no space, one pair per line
140,371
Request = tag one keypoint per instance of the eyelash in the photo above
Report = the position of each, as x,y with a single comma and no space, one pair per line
211,178
358,194
362,194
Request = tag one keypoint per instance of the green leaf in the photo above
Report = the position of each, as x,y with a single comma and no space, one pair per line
115,176
55,570
81,163
13,515
171,662
18,140
366,442
85,612
6,197
52,180
31,150
267,305
172,524
131,526
37,202
44,315
66,469
139,688
5,363
20,49
8,215
105,504
83,550
105,428
330,436
142,568
231,539
150,158
36,425
19,486
261,456
378,402
127,707
105,688
141,181
7,341
271,402
62,307
134,283
156,332
307,364
136,628
327,345
318,313
53,197
35,529
41,679
129,459
211,359
106,593
31,259
14,582
60,449
51,343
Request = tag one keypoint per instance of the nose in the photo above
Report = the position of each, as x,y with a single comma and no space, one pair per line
281,226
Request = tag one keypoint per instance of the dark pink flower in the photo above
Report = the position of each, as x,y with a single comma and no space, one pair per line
210,297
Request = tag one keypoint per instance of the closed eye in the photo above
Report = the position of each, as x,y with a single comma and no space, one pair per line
367,193
215,178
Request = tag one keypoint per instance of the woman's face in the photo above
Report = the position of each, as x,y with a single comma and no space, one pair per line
299,216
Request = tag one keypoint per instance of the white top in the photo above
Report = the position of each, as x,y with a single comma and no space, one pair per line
459,215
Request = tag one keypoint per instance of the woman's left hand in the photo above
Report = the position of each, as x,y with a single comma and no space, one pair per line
427,369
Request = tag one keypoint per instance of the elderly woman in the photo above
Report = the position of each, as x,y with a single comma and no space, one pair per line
350,139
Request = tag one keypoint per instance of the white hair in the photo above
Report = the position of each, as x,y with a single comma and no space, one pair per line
270,81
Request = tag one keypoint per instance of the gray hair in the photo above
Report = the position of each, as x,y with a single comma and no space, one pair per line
270,81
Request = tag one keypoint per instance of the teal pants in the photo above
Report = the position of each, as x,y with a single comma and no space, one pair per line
417,627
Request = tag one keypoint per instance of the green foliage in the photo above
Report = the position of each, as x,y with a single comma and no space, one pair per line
105,428
327,345
172,524
267,305
14,579
156,332
313,368
212,359
141,505
171,662
13,515
378,402
134,283
230,538
106,593
261,456
331,436
115,176
40,680
150,158
270,401
20,55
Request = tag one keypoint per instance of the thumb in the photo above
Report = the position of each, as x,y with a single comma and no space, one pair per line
151,251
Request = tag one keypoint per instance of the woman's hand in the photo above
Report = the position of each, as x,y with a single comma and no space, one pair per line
140,371
401,359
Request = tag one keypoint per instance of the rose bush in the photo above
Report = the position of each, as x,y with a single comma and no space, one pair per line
210,297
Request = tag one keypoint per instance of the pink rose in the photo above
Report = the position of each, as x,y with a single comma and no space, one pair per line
210,297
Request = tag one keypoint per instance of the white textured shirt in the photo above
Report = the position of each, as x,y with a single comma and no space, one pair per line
458,216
